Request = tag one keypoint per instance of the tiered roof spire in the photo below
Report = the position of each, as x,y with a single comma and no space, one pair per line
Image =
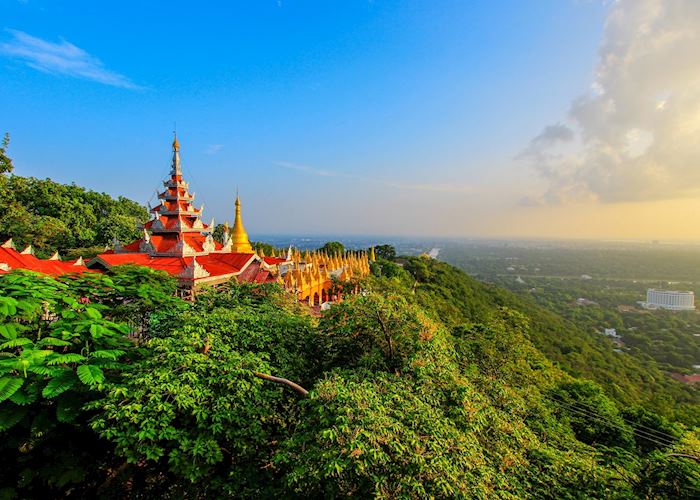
176,229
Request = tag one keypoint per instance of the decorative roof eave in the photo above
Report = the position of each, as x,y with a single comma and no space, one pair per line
9,244
192,212
173,184
98,260
194,271
175,197
176,230
170,253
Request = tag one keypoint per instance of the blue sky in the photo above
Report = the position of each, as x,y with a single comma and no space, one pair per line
380,117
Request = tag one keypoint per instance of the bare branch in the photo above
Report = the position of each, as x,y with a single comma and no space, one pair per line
293,386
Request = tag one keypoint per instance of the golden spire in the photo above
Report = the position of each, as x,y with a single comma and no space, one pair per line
176,144
372,256
241,243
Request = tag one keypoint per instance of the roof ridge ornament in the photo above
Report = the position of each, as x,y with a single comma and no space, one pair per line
194,271
116,245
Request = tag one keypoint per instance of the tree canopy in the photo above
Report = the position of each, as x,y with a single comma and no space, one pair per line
63,217
5,160
140,393
333,248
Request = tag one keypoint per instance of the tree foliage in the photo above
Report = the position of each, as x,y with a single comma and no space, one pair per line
5,161
60,217
386,252
413,392
333,248
57,353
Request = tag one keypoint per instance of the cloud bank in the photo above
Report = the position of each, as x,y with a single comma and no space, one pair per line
636,135
61,58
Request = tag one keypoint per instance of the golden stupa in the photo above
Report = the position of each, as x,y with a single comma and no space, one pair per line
239,237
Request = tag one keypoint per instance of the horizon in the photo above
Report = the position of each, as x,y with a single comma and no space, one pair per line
560,121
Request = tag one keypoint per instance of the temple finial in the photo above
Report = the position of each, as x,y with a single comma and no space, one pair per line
176,170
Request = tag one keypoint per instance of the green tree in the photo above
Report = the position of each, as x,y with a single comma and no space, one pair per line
57,353
218,233
333,248
387,252
5,161
594,417
373,331
265,247
52,216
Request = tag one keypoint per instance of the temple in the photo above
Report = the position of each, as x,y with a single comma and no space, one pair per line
176,240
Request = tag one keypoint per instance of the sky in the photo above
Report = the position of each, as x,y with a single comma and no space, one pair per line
546,119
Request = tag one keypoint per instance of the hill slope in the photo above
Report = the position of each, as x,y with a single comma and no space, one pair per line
455,298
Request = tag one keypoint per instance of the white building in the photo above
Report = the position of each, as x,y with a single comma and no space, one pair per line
669,299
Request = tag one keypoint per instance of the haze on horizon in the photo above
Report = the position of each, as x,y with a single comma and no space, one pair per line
556,119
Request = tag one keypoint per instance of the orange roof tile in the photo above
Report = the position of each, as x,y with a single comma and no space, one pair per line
216,264
16,260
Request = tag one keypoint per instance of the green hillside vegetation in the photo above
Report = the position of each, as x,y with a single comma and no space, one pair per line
454,297
619,276
64,217
427,384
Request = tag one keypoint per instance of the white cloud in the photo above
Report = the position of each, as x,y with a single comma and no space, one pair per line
445,188
212,149
637,133
62,58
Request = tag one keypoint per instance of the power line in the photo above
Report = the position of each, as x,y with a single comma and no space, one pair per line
604,420
667,439
631,422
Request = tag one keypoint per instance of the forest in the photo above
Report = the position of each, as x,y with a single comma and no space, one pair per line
112,387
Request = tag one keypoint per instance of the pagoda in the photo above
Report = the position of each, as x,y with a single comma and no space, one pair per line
176,240
176,228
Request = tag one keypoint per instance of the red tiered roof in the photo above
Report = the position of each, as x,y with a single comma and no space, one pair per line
245,266
16,260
